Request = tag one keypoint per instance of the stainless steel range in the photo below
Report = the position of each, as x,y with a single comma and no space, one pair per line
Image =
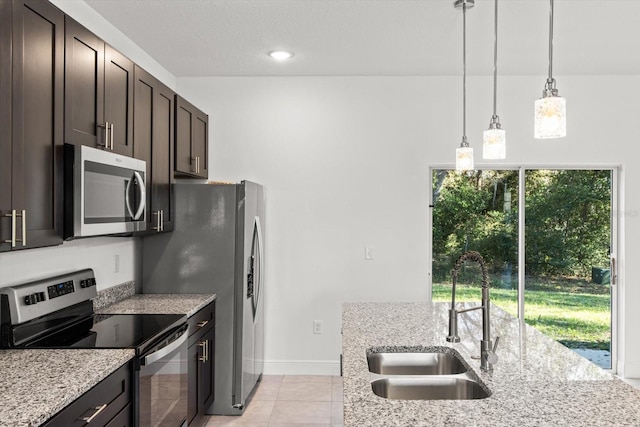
57,312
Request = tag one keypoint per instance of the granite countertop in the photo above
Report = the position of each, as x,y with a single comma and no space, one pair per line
33,389
536,382
188,304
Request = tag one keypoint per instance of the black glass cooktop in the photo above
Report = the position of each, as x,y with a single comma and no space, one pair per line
110,331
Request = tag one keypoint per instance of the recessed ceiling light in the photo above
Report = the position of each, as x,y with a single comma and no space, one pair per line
280,55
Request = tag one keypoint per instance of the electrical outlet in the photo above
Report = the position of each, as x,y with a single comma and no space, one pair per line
116,263
368,252
317,326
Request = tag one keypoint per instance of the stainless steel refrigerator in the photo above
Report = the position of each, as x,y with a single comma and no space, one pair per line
217,247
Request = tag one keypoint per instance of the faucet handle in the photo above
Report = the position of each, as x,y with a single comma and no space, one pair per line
492,357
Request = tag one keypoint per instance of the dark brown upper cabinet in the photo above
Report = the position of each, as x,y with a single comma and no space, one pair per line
192,129
153,137
98,92
31,123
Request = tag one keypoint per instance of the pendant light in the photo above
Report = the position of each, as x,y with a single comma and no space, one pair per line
551,109
464,154
494,139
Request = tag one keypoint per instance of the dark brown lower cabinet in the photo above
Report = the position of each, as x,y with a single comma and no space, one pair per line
106,404
201,364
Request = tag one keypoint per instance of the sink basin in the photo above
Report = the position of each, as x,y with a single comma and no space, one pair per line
415,363
428,387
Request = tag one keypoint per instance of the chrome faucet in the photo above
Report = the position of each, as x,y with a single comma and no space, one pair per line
487,351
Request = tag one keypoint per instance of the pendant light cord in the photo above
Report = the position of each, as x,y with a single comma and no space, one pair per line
464,74
550,79
495,62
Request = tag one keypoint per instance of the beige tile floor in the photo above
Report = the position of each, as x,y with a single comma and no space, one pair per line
291,401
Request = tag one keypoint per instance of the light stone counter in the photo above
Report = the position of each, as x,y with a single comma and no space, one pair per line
37,384
188,304
536,382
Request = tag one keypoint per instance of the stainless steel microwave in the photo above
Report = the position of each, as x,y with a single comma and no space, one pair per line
104,193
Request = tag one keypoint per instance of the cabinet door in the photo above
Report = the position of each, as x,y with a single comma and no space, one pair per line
192,127
205,389
37,132
200,142
153,143
201,364
184,161
118,100
5,122
84,86
163,134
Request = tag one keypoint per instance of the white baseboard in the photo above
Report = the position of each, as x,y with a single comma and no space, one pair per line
301,367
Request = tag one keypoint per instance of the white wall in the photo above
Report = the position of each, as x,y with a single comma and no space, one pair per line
97,253
345,162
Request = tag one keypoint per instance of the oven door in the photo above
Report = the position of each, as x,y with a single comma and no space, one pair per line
162,382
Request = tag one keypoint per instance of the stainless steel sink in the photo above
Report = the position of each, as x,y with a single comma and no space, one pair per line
423,373
420,363
428,387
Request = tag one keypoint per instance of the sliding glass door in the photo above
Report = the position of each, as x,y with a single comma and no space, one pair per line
561,282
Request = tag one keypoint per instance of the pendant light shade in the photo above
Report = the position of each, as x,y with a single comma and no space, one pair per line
550,116
464,154
494,144
494,139
464,158
550,110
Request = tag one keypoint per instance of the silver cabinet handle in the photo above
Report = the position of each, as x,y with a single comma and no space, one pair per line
164,351
95,414
203,345
12,215
106,135
157,227
160,220
24,228
111,136
202,324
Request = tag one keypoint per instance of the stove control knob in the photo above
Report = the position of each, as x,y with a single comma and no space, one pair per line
31,299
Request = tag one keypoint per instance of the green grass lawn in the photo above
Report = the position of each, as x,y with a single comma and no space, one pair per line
578,316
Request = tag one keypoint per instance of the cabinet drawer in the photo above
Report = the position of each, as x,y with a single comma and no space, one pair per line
123,419
103,402
201,322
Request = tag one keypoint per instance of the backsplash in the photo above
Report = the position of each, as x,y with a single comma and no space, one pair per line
114,294
113,260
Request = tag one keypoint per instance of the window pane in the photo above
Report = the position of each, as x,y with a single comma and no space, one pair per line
567,243
476,211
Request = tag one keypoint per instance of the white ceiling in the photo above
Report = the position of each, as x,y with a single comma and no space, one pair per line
378,37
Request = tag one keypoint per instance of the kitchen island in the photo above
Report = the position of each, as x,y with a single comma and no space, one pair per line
536,382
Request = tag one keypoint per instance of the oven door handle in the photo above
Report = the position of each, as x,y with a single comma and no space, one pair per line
166,350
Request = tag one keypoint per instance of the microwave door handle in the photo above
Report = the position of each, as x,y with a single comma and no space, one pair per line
127,198
164,351
142,194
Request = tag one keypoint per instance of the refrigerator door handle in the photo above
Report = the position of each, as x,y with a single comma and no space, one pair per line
257,258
